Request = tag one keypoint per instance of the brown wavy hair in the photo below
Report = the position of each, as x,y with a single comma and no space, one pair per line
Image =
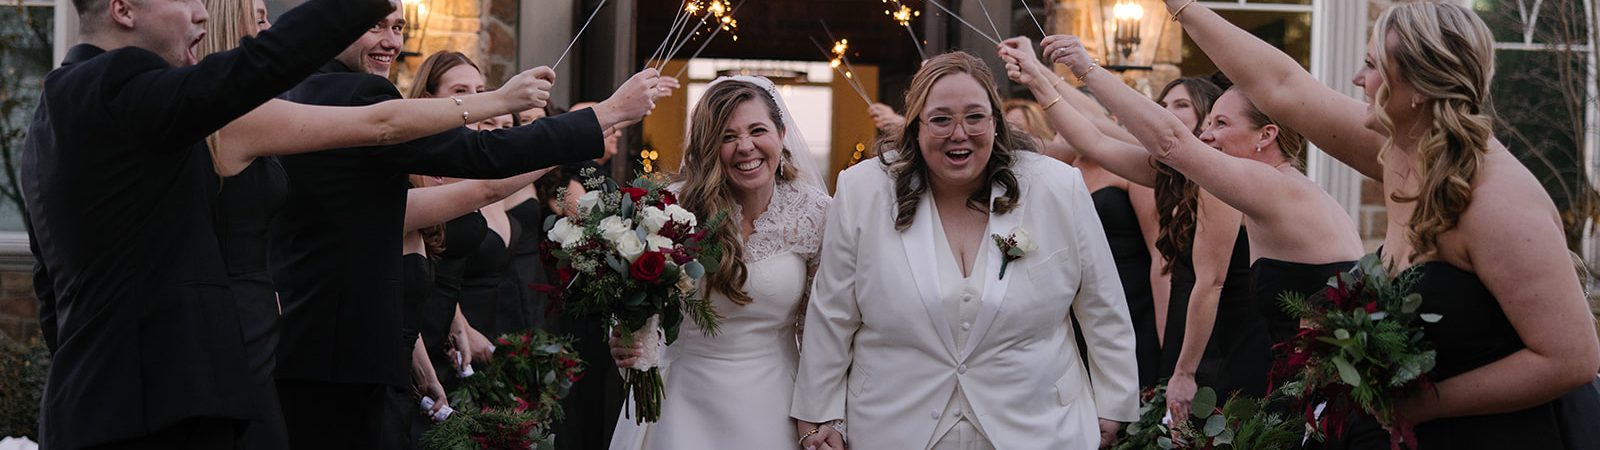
428,74
1178,198
432,237
910,171
706,192
1446,53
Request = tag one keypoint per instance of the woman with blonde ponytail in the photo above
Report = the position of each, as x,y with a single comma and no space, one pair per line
1516,343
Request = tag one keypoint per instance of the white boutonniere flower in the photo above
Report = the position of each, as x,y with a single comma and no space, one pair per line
1013,247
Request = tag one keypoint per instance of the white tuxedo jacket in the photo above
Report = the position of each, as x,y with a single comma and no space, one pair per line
878,350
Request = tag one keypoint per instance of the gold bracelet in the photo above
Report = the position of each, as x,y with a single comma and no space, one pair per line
1052,103
802,441
1180,10
1092,67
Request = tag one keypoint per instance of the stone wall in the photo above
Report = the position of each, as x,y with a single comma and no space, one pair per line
484,30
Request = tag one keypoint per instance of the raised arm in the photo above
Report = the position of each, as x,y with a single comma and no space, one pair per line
281,128
187,103
433,205
1124,159
1282,89
1236,181
1216,230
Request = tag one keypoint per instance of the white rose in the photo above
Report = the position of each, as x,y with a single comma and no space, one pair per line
612,228
1023,241
630,247
566,233
681,215
653,218
657,243
587,201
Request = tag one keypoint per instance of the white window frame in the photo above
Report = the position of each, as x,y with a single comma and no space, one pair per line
14,252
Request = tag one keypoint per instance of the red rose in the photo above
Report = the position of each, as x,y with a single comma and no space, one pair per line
566,274
648,267
1372,307
635,193
667,198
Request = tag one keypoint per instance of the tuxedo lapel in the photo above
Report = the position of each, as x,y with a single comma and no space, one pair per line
919,248
994,287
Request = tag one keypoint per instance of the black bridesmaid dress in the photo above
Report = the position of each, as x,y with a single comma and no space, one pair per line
462,236
1474,332
519,302
481,273
245,207
1132,256
1237,357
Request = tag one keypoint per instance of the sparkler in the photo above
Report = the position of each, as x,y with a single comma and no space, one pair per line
836,58
1035,19
580,34
969,25
902,15
729,24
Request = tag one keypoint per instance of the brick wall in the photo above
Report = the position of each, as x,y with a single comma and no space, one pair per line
19,311
484,30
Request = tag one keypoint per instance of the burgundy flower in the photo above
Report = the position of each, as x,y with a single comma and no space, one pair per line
648,267
636,193
1372,307
667,198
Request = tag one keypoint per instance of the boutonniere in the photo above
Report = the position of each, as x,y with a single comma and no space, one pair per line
1013,247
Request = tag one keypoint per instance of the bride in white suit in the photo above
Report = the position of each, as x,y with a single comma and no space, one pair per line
745,156
921,333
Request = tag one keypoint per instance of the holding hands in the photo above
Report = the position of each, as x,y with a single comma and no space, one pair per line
819,436
634,100
1067,49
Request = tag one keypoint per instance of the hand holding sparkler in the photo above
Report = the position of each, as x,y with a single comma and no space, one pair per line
633,100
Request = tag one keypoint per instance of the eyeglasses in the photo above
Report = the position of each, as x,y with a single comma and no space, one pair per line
943,126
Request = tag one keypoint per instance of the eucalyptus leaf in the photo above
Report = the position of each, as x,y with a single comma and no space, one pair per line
635,298
616,264
1015,252
1204,403
1341,334
1380,315
695,270
627,206
1164,442
1347,372
1411,304
550,222
1214,425
1430,317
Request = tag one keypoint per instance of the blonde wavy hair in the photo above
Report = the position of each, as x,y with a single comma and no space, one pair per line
231,20
910,170
706,192
1033,115
1446,53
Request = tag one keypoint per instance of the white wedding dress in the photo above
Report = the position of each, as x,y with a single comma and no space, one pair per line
733,391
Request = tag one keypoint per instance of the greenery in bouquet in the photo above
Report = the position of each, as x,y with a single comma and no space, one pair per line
1242,423
490,429
1360,346
631,256
531,372
23,369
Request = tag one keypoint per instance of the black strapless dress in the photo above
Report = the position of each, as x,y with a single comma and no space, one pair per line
245,207
481,274
1270,279
1237,357
1128,249
519,302
462,236
1474,332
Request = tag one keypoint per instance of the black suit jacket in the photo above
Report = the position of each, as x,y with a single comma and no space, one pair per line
336,245
118,184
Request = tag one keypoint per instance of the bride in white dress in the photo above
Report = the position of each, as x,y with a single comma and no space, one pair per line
745,156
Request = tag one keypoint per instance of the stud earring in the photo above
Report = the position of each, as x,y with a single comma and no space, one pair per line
1258,149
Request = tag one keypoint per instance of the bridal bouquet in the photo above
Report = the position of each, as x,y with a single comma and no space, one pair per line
631,256
1241,423
513,401
1360,346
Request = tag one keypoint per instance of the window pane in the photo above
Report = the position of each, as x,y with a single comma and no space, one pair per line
1556,22
1540,100
25,56
1290,32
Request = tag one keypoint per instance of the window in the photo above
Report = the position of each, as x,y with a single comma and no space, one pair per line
26,54
1543,97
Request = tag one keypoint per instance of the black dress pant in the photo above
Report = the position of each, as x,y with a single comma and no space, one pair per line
322,415
205,433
